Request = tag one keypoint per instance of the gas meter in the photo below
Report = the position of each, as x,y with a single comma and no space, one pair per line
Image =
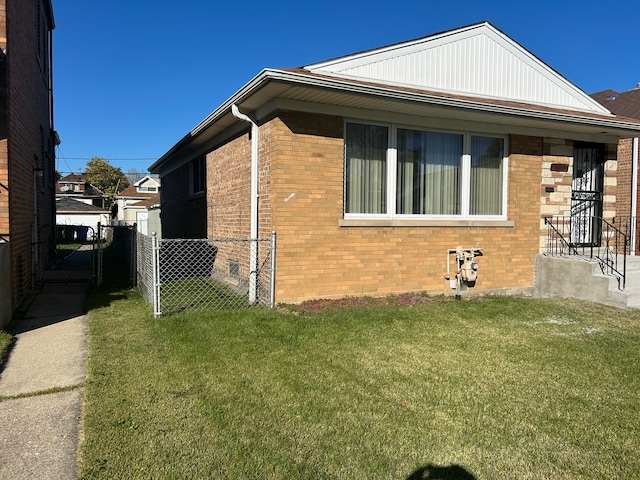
466,268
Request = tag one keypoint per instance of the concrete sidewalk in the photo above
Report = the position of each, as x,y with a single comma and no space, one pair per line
40,432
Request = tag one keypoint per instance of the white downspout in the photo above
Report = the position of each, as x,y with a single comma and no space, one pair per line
253,255
634,193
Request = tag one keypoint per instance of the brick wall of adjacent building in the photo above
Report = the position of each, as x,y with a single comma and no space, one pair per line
183,215
27,207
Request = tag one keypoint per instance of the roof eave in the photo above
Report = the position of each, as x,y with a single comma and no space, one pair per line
620,127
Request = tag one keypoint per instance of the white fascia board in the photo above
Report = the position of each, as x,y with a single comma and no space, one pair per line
210,119
234,99
381,91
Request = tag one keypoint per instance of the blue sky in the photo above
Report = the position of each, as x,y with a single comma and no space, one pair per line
133,77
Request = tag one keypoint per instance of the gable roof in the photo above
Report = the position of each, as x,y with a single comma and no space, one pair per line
132,192
149,203
477,60
349,87
626,103
69,205
147,179
75,178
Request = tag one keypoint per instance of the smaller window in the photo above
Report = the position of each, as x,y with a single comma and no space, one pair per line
197,175
234,269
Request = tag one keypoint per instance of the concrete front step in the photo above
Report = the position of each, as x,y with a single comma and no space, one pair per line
576,277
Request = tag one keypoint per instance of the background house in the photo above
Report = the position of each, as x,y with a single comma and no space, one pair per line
27,142
77,186
77,220
148,219
626,104
133,203
371,167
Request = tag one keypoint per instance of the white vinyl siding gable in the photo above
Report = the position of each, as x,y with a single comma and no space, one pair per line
476,61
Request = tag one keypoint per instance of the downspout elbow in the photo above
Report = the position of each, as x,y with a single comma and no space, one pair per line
239,115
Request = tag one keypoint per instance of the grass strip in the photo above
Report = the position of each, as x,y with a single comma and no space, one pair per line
6,342
493,388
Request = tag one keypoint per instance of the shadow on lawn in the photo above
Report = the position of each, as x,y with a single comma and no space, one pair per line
437,472
103,297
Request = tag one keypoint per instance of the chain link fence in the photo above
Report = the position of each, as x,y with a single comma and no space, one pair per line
177,275
116,263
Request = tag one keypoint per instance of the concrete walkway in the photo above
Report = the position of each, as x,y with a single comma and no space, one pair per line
40,431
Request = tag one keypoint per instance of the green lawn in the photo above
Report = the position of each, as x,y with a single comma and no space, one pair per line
5,344
484,389
63,250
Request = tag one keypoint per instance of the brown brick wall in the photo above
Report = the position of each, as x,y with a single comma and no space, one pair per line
182,215
318,258
26,151
624,177
301,197
624,183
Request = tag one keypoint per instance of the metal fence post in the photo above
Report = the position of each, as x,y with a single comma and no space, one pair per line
253,270
155,254
133,262
272,285
98,280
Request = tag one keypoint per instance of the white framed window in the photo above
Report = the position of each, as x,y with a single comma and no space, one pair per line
405,172
143,188
197,175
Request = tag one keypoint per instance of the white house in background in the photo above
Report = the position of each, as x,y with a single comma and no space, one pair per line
80,219
148,216
133,200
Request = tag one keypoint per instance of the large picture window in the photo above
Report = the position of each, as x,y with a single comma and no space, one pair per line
403,172
428,173
366,168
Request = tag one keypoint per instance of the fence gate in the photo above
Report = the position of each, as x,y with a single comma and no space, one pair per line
586,194
74,256
116,256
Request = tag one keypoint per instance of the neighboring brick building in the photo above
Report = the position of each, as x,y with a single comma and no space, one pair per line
372,166
77,186
27,142
626,104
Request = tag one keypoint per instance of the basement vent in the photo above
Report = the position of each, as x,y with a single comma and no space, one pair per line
234,269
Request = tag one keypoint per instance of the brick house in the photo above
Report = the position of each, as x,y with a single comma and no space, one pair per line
626,104
371,167
78,187
27,142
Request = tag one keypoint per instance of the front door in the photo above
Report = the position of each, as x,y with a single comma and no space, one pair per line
586,194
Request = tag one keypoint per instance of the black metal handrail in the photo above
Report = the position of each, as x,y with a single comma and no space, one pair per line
592,238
